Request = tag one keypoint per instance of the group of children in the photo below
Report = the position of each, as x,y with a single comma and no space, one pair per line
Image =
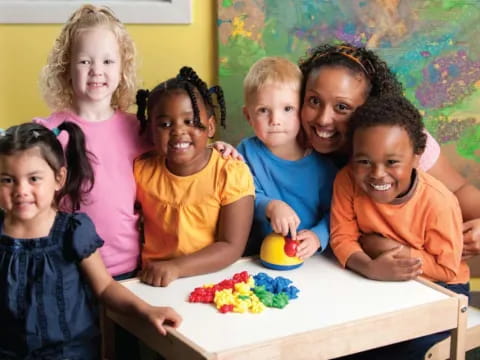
197,206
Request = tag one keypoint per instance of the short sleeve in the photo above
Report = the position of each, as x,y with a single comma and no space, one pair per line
431,153
238,182
83,235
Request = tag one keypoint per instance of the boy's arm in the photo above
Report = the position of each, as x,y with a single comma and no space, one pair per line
375,245
345,234
441,254
322,230
261,198
344,228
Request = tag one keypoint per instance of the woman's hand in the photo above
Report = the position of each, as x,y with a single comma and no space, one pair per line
471,238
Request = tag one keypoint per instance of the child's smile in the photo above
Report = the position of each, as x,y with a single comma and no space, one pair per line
176,135
383,160
27,186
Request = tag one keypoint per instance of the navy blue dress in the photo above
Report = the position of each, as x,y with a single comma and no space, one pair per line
47,310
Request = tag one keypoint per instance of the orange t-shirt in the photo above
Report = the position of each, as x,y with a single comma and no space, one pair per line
181,212
429,222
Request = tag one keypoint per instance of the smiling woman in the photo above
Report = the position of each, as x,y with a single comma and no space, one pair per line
129,11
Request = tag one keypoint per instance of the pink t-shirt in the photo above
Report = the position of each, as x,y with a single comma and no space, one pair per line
431,153
115,143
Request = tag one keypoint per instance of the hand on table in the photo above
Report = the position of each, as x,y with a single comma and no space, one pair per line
159,316
160,272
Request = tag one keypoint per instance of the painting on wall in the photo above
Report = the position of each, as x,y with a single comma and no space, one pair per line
431,45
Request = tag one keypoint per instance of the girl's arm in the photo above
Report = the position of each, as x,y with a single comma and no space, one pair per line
233,229
122,300
234,225
469,198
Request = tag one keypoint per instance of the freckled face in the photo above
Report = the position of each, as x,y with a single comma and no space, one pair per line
332,94
383,160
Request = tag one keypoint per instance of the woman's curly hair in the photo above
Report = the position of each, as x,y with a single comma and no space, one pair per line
55,78
357,59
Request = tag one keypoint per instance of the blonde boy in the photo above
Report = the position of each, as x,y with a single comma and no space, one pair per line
293,184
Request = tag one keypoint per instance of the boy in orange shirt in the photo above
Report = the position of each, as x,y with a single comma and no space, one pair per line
391,221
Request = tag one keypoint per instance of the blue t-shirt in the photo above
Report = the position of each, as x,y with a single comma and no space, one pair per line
47,310
305,185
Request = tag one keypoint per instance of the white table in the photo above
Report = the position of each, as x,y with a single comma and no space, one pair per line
337,312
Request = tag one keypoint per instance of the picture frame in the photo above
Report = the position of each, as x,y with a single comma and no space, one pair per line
128,11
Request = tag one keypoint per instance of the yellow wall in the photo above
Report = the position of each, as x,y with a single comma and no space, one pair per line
162,49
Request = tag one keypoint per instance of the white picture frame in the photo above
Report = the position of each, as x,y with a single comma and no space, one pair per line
128,11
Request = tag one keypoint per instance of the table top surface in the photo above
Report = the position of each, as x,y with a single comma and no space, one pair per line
329,295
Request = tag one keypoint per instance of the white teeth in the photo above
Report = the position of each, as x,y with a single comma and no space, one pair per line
383,187
181,145
324,134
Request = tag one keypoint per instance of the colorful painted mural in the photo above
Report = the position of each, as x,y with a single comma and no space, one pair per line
430,44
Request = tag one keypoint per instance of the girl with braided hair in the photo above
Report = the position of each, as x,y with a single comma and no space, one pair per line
197,206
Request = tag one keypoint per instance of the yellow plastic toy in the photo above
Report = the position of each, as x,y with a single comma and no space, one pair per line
278,252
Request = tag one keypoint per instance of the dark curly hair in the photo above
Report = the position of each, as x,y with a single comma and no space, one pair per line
358,60
391,110
188,81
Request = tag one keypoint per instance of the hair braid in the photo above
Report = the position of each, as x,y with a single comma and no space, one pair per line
141,100
217,90
187,80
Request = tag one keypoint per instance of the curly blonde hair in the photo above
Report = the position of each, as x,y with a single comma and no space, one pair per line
55,77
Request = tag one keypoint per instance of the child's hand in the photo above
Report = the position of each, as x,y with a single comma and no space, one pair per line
471,238
282,218
227,150
160,273
159,316
309,244
391,266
